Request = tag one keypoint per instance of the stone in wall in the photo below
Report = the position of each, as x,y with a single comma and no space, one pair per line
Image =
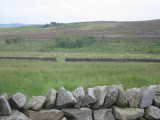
64,118
5,108
100,93
127,113
5,95
157,97
17,101
65,98
89,97
35,103
51,114
147,96
152,113
51,99
103,114
133,96
78,114
111,96
121,99
79,94
16,115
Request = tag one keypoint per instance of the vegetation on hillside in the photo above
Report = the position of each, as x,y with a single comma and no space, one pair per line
142,29
14,40
80,44
100,36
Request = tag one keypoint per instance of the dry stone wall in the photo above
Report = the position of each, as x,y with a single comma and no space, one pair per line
110,60
29,58
98,103
84,59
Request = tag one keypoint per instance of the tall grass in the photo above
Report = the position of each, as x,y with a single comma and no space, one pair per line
36,77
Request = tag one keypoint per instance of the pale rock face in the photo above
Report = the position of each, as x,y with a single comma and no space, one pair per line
51,99
121,99
103,114
5,95
127,113
100,93
79,94
51,114
35,103
133,96
16,115
5,108
147,96
111,96
78,114
152,113
157,97
157,100
17,101
89,97
64,118
65,98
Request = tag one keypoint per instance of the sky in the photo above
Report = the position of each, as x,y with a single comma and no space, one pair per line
66,11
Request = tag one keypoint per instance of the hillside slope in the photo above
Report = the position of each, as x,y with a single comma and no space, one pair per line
111,30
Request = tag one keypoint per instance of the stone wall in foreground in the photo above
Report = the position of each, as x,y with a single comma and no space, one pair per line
98,103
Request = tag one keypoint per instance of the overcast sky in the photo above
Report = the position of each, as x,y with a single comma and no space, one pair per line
45,11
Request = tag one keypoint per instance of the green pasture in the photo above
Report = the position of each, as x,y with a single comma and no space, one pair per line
37,77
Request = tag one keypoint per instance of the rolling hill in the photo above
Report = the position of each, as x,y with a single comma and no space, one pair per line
110,29
110,36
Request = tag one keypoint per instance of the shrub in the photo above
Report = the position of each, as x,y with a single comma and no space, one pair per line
14,40
79,42
17,40
103,37
8,41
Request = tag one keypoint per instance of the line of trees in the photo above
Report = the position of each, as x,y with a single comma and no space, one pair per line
79,42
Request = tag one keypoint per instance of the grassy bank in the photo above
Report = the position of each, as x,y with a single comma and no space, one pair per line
36,77
99,46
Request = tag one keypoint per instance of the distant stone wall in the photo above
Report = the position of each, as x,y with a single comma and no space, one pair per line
85,59
98,103
109,60
30,58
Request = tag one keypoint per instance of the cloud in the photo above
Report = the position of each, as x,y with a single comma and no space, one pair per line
42,11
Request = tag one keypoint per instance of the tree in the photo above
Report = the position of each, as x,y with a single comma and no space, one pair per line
8,41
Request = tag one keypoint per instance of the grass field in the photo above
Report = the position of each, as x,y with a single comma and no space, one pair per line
120,38
36,77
